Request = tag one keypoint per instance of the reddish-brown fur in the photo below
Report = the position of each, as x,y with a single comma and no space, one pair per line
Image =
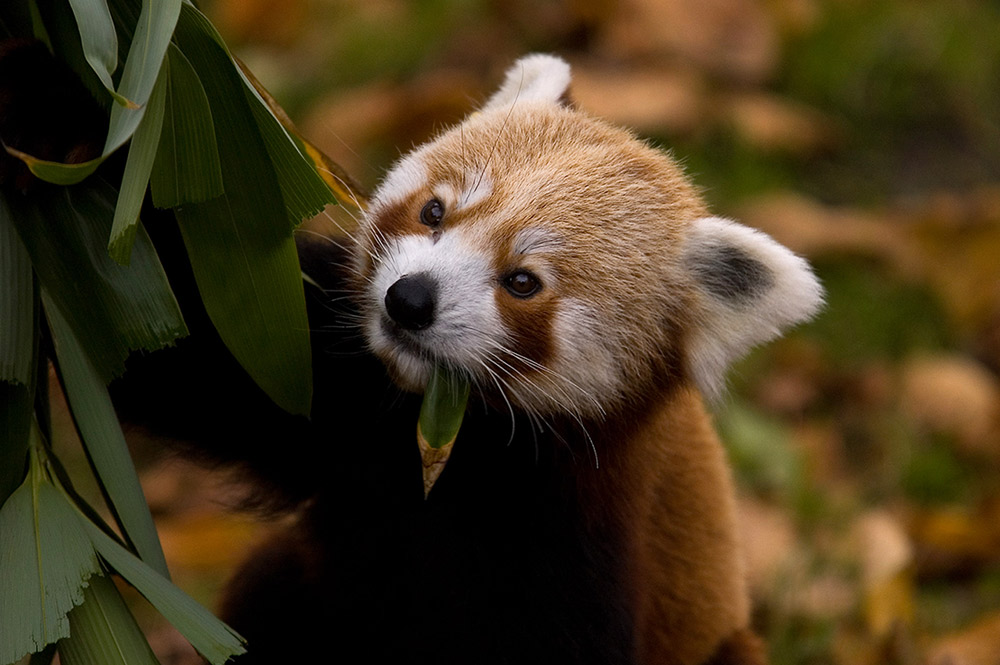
661,491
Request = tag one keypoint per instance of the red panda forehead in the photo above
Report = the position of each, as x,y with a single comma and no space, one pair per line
595,186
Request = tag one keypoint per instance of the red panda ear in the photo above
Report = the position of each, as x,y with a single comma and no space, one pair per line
533,78
749,288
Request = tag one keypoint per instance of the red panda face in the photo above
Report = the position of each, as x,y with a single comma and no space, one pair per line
529,250
559,263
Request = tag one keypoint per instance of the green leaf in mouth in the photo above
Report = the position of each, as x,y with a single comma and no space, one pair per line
441,415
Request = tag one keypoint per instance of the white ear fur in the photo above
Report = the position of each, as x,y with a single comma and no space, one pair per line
750,289
533,78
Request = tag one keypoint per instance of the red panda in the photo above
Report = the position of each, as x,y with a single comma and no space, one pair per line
572,275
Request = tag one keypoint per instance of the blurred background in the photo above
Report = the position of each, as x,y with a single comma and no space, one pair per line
863,135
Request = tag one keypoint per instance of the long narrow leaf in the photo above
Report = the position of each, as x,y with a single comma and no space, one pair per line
103,630
187,167
17,321
138,166
18,353
46,557
253,292
98,36
157,21
241,249
112,309
304,190
102,437
210,637
152,34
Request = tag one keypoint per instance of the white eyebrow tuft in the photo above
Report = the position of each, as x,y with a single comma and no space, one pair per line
479,185
536,240
407,176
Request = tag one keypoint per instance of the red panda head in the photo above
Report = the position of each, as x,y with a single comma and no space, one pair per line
560,263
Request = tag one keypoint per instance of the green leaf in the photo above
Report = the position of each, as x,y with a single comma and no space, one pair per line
241,249
252,290
443,407
103,630
102,437
112,309
208,635
47,557
138,166
156,24
17,304
187,167
18,354
98,36
153,31
305,193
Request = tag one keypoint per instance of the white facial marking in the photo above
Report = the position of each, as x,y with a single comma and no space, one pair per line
587,366
466,323
407,176
478,187
536,240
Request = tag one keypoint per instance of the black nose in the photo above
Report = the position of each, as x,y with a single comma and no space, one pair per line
410,301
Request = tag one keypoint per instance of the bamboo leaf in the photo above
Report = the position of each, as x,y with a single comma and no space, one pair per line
441,415
98,36
17,321
148,48
244,259
156,24
112,309
47,558
187,167
18,354
213,639
252,290
103,630
443,407
138,166
344,188
102,437
304,191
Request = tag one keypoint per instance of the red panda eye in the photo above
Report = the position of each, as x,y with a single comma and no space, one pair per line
432,213
522,284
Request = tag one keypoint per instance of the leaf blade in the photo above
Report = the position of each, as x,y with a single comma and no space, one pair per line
187,168
147,50
98,36
103,630
153,31
138,167
112,309
44,545
210,637
95,417
241,250
17,322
